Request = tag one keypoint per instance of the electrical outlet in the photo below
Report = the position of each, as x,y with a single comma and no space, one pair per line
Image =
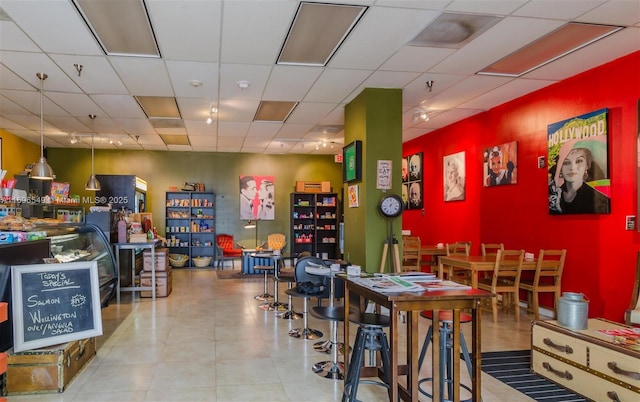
630,222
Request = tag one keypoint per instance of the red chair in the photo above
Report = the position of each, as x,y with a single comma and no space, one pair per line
228,249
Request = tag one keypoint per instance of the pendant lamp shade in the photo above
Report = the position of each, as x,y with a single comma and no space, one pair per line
41,170
92,184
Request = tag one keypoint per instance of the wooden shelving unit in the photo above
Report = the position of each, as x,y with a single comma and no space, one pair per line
315,221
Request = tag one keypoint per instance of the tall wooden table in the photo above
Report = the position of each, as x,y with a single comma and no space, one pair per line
474,264
413,303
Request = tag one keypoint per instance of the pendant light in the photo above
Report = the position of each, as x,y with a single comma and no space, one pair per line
41,170
92,184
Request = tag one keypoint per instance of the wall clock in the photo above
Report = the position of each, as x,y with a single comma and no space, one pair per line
391,206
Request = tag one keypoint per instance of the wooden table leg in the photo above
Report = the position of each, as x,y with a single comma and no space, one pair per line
476,360
393,334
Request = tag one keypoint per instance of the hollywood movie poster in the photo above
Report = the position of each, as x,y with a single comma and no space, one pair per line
257,197
578,165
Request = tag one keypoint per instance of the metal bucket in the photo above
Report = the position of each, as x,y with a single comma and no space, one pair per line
573,310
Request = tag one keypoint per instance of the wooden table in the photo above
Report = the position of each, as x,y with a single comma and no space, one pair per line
433,252
413,303
475,264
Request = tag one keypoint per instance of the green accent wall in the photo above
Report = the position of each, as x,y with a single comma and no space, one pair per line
375,118
219,172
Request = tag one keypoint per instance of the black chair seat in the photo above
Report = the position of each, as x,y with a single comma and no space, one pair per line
335,313
370,319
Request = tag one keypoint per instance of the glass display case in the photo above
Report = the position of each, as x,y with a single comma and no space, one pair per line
72,242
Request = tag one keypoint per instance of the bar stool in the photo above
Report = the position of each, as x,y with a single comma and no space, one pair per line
446,355
265,296
286,275
275,305
301,276
370,336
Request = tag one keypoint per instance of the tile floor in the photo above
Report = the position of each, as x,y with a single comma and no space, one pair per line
209,341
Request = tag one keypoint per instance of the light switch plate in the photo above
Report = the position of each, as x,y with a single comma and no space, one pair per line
630,222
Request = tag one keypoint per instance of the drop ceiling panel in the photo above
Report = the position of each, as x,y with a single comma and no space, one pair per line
416,58
31,102
231,129
80,104
509,91
9,80
196,108
290,83
203,141
401,25
143,76
293,130
263,130
482,51
237,110
182,72
67,124
448,117
310,112
198,23
230,74
28,64
334,85
7,106
122,106
618,12
151,140
466,90
97,76
388,79
499,7
561,9
9,125
55,26
135,126
12,38
253,30
233,142
416,92
200,128
428,4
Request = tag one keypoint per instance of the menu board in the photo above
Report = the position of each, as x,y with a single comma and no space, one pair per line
55,303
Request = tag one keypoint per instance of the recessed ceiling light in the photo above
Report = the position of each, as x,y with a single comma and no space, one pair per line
559,43
317,31
243,84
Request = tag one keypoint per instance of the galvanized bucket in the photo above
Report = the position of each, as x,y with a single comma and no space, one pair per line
573,310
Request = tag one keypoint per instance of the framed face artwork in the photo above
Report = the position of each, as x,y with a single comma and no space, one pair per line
578,167
501,164
257,197
454,177
412,181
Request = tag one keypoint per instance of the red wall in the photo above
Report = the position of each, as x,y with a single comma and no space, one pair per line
601,254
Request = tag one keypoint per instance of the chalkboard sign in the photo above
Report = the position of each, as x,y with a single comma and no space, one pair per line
55,303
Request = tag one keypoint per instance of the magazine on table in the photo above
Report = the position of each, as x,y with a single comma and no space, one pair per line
441,285
390,284
627,337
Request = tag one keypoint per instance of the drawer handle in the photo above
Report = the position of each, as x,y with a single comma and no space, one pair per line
613,396
562,374
613,366
565,349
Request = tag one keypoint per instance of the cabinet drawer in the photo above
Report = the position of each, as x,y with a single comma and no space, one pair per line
559,344
579,381
622,367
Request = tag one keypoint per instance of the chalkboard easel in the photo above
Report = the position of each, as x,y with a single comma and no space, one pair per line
55,303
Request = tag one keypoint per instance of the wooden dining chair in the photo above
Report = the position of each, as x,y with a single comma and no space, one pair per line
459,248
547,278
505,281
490,250
411,253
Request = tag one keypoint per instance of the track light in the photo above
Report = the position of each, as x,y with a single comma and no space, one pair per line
420,115
209,120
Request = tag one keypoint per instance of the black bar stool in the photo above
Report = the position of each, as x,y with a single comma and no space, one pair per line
265,296
370,336
446,354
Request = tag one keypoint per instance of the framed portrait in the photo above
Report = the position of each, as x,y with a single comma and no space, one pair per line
454,177
412,181
257,197
352,162
500,164
578,165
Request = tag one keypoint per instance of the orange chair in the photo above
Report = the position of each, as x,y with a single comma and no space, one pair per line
227,249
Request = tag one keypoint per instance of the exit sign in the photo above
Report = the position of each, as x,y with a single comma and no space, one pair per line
337,158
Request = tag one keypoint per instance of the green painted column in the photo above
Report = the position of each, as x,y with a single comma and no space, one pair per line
375,118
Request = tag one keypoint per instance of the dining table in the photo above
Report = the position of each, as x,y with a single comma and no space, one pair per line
432,252
474,264
413,303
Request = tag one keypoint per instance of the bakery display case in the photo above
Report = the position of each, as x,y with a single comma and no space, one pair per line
73,242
